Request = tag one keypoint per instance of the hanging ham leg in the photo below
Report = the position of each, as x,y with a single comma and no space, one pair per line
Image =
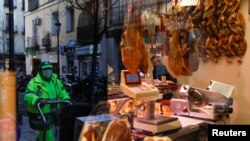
174,59
198,13
131,55
191,63
232,7
210,8
134,53
222,7
133,50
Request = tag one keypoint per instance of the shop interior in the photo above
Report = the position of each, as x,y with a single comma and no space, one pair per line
211,86
203,46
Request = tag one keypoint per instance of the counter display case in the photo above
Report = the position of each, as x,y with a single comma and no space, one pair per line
127,109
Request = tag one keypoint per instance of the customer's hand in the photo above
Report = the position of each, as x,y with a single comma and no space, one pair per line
42,102
68,102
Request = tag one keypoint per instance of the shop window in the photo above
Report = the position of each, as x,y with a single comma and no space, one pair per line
118,12
6,3
70,60
32,4
23,4
14,3
7,18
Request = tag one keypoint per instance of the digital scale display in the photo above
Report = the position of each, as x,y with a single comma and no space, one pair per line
132,79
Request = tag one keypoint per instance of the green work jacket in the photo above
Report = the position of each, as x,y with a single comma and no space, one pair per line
38,88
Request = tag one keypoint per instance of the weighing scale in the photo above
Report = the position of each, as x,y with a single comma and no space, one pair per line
132,86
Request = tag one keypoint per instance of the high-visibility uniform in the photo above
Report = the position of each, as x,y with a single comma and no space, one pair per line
52,90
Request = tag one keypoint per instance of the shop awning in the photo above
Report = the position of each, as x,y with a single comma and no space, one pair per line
87,50
70,47
71,44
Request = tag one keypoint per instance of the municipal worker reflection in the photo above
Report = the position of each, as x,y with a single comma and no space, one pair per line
43,87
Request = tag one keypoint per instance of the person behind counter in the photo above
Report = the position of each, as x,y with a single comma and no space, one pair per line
160,70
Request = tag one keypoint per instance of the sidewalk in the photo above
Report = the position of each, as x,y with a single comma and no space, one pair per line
27,134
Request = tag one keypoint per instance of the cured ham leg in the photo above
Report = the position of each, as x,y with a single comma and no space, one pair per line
237,45
211,26
233,5
190,62
222,7
131,55
237,23
210,8
117,130
198,12
174,59
133,50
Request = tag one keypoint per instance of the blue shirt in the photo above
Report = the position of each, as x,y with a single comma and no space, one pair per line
160,70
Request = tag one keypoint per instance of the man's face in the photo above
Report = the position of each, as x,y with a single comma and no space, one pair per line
47,73
154,62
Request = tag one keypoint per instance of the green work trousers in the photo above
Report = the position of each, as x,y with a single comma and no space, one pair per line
48,137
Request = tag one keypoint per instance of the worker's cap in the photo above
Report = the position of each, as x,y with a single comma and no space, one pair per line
45,65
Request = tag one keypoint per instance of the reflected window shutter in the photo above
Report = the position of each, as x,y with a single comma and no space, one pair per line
68,21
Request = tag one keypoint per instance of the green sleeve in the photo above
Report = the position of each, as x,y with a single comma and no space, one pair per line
30,97
63,94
